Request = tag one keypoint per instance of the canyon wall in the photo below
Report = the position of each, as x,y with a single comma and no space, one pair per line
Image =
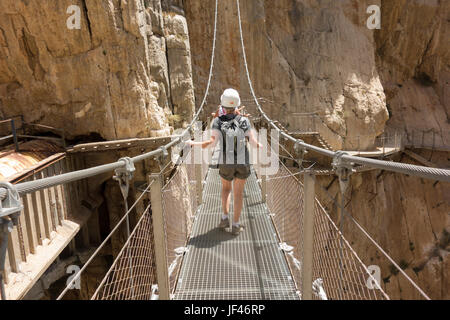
304,56
319,56
125,73
413,60
407,216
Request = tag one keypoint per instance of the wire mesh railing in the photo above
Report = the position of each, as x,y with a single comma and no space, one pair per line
179,207
133,273
311,123
383,144
342,275
286,212
426,139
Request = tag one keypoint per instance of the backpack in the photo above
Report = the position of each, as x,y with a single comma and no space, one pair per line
233,132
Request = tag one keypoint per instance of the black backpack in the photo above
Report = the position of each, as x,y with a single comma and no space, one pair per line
233,131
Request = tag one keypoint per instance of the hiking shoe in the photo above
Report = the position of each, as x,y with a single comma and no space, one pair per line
236,230
224,223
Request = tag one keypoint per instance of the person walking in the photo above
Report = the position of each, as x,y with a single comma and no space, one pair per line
232,130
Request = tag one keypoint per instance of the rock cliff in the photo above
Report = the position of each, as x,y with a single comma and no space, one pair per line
413,59
319,56
126,72
122,74
408,217
305,56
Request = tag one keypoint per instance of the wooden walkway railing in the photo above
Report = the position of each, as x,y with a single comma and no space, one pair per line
44,229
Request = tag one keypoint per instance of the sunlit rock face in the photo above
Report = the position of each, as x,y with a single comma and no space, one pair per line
408,217
319,56
413,59
127,73
306,56
113,76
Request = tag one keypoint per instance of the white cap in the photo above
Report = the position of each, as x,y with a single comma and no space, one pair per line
230,99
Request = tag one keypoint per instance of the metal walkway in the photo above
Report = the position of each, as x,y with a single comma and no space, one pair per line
218,265
221,266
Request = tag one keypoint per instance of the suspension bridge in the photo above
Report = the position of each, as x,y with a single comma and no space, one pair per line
291,249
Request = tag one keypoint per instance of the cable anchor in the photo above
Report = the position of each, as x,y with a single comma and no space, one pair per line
343,169
300,152
124,175
162,157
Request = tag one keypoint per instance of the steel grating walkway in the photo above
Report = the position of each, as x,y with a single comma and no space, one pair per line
220,266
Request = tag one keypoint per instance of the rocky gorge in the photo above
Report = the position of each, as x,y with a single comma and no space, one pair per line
139,68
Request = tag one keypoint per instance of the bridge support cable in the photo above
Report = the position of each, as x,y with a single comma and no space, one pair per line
77,276
121,166
286,199
344,164
343,211
31,186
123,176
369,237
418,171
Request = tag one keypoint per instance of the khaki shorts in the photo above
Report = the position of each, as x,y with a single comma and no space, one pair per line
231,171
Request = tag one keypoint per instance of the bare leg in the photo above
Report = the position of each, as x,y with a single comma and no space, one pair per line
238,198
226,196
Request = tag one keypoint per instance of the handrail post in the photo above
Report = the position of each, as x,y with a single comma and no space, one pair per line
199,183
162,273
14,133
264,188
308,234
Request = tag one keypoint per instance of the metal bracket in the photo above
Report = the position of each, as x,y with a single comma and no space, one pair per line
10,205
300,152
124,175
10,208
343,170
161,157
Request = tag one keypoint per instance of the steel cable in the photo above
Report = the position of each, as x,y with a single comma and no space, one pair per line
346,213
105,168
78,274
28,187
419,171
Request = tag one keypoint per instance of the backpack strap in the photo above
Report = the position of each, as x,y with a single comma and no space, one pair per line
219,123
237,121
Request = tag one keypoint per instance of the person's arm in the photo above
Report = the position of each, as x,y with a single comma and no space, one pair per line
205,144
252,139
240,112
